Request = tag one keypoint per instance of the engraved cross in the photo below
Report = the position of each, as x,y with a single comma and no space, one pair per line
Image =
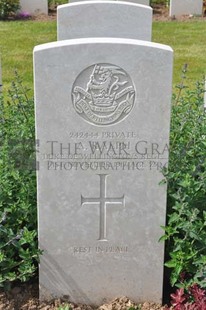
103,201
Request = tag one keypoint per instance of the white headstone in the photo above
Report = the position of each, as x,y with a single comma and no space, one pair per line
102,119
144,2
34,7
104,19
185,7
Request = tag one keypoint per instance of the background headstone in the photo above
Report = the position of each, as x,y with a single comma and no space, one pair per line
143,2
102,119
185,7
34,7
104,19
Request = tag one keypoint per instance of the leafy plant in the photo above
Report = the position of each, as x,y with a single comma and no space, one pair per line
192,299
18,219
8,8
65,307
186,176
162,2
54,3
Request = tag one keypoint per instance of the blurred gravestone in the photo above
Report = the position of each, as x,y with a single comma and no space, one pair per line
185,7
34,7
104,19
143,2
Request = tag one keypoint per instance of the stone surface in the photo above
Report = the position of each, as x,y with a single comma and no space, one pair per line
104,19
34,7
143,2
102,120
185,7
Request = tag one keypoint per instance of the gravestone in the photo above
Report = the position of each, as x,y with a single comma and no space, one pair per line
185,7
102,121
104,19
34,7
143,2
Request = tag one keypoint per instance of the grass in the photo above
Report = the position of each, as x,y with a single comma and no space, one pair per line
188,40
18,38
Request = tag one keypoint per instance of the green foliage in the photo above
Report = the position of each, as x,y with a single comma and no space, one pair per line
18,218
55,3
186,228
65,307
162,2
8,7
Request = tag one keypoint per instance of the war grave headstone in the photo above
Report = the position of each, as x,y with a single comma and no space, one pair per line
185,7
102,121
103,19
34,7
144,2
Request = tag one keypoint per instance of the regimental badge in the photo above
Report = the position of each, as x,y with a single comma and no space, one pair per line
103,94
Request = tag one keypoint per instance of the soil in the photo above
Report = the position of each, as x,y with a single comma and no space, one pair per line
25,297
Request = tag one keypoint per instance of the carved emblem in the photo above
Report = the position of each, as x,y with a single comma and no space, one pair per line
103,94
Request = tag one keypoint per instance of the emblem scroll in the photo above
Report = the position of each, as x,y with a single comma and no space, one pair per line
103,94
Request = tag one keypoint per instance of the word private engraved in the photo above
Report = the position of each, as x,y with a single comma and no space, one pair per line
103,94
103,200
